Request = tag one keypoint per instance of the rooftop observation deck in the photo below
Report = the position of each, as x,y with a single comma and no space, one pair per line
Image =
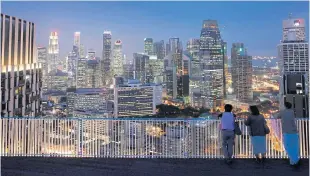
37,166
124,147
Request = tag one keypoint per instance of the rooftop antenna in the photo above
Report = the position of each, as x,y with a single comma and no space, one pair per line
290,15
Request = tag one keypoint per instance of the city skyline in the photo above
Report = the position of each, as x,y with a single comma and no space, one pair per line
144,19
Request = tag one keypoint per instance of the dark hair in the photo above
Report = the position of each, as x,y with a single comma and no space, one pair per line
254,110
228,108
288,105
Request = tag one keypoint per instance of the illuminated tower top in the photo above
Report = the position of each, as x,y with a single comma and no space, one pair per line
53,47
77,39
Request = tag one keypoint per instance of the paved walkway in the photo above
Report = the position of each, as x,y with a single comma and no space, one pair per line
22,166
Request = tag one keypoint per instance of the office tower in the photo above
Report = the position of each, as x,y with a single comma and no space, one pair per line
91,54
134,99
156,69
141,67
93,74
21,75
72,61
60,80
159,49
193,51
176,67
86,99
128,71
42,60
105,62
211,59
148,46
174,44
81,77
118,59
82,51
293,53
53,52
195,72
167,50
241,64
225,70
77,41
293,30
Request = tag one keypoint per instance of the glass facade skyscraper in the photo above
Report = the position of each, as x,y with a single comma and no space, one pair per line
211,58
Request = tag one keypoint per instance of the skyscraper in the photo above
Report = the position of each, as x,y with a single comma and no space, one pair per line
53,52
141,67
195,72
93,74
241,65
72,61
156,67
91,54
293,56
77,41
148,46
225,70
211,59
82,51
81,76
177,68
21,75
42,59
159,49
105,62
174,44
118,59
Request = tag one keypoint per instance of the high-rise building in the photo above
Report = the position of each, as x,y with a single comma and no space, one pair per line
293,30
72,61
82,51
211,58
141,67
77,41
148,46
159,49
21,75
241,64
156,67
293,56
225,70
195,72
174,44
167,50
86,99
134,99
42,60
60,80
129,71
105,62
91,54
53,52
177,68
118,59
81,76
93,74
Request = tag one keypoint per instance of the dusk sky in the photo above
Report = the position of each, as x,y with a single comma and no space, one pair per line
257,24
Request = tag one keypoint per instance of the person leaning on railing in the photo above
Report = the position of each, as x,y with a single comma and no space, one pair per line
227,127
259,130
290,134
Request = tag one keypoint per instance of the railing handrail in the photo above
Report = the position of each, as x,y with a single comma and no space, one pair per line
133,119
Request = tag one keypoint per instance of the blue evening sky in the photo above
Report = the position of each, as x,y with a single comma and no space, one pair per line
257,24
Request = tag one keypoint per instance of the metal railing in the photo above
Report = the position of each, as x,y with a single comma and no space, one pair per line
134,138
